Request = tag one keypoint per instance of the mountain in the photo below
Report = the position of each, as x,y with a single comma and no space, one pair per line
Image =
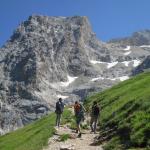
125,114
144,66
137,39
51,57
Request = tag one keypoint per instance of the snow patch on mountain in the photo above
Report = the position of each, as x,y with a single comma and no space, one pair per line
127,48
96,62
126,63
98,78
109,65
62,96
127,53
70,80
145,46
123,78
112,64
136,63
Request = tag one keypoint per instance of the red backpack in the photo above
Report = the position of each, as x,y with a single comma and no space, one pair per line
77,108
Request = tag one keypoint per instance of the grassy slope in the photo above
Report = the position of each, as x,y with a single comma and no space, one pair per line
126,112
33,136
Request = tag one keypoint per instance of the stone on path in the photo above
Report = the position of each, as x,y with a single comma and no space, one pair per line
67,147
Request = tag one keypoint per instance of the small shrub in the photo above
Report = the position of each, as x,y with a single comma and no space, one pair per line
84,126
114,144
64,137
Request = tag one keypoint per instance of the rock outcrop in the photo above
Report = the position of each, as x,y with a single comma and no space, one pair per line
51,57
137,39
143,67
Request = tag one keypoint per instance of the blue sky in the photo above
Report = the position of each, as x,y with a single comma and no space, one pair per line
109,18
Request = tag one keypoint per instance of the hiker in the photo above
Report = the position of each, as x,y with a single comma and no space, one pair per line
95,112
59,111
79,114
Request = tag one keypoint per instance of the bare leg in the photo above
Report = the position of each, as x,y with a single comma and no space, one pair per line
59,117
56,119
91,124
78,128
95,124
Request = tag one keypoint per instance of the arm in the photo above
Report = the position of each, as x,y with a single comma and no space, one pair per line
99,110
83,108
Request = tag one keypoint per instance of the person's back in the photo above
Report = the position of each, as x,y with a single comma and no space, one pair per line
95,112
79,114
77,108
59,107
59,111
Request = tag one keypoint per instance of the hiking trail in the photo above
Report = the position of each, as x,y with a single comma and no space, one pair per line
73,142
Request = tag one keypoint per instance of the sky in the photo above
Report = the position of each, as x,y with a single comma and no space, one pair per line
109,18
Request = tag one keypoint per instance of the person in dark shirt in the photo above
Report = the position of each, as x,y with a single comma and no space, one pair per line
59,110
95,112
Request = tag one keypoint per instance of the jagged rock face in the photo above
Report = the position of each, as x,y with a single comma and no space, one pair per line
137,39
144,66
51,57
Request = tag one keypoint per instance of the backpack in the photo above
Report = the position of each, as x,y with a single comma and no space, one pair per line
95,110
77,108
59,107
79,112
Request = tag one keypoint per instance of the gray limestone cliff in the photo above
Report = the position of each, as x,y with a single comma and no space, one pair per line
51,57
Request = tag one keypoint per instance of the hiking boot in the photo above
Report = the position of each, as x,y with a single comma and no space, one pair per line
79,135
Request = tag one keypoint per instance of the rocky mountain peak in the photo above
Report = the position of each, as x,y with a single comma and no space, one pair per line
75,24
51,57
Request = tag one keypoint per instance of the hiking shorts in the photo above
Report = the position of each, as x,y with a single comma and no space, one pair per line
78,120
94,119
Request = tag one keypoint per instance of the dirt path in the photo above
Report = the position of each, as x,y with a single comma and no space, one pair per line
73,143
